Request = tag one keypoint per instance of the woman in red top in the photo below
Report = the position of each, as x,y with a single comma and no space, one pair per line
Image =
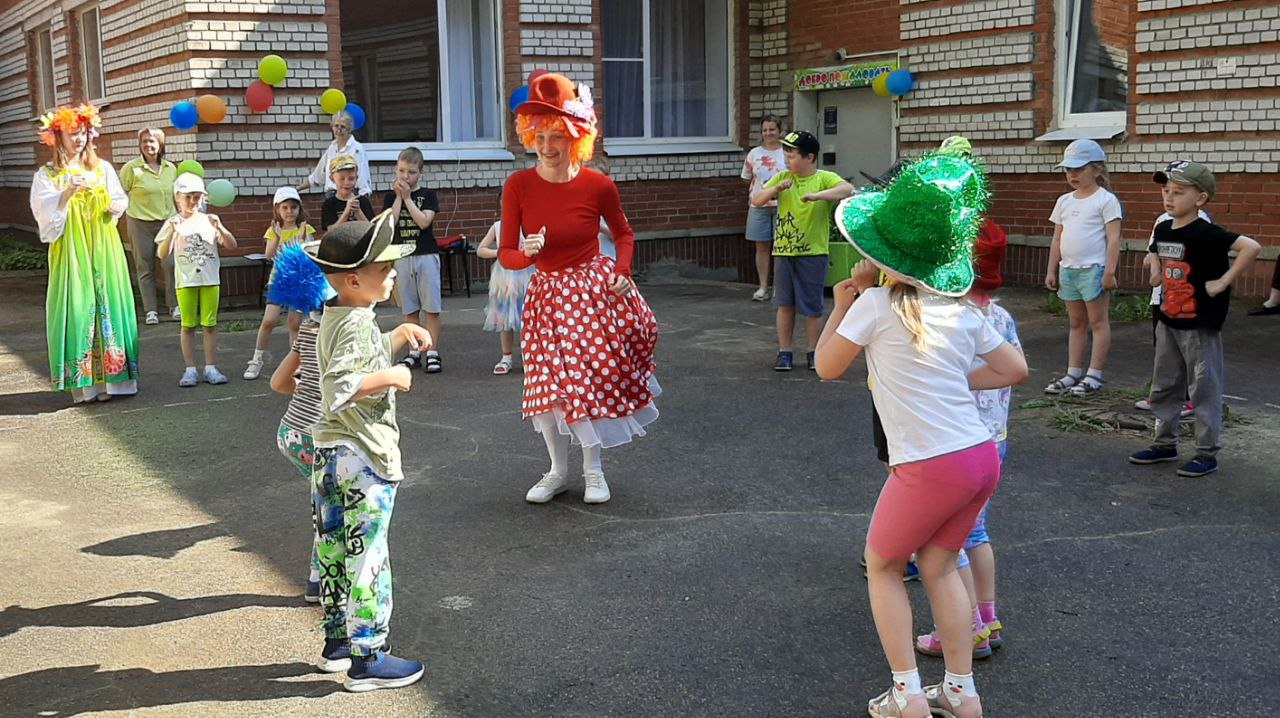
588,336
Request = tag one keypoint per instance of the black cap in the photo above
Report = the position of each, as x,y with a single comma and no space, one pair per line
800,140
354,245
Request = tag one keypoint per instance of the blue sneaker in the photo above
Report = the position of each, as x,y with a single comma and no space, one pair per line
783,363
312,594
336,656
1199,466
913,572
1155,455
381,670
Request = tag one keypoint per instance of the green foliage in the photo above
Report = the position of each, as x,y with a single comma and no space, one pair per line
1124,307
15,255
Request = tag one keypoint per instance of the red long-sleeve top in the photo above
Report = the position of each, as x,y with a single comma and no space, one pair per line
571,212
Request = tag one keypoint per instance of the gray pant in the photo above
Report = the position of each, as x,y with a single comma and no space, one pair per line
1189,363
142,238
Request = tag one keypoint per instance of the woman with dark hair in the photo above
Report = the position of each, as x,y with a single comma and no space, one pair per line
588,335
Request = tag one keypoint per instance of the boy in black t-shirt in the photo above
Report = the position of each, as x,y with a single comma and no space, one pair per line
1188,258
418,275
344,205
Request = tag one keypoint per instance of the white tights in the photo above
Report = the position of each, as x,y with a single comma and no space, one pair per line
558,449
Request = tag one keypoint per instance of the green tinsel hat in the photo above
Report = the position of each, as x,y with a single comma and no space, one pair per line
923,224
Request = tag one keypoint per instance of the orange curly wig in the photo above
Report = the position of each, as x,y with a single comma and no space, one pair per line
584,146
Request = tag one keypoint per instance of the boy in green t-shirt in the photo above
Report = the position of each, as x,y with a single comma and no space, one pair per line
806,197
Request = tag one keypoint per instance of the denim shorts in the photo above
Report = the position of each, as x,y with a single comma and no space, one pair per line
798,282
760,223
1080,284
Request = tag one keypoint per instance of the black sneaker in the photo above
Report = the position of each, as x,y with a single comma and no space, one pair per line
381,670
783,363
413,361
1265,311
1199,466
1155,455
810,361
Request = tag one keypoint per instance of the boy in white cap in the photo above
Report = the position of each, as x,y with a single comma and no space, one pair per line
194,238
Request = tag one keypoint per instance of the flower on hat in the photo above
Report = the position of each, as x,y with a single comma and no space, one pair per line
68,120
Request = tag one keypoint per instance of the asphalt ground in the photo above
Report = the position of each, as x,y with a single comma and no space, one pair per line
161,541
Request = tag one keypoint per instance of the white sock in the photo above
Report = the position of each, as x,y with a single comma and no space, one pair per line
591,458
415,354
953,683
1075,372
191,368
257,354
210,367
1095,373
557,448
908,682
433,353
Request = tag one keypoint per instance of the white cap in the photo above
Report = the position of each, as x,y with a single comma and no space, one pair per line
1081,153
285,193
187,183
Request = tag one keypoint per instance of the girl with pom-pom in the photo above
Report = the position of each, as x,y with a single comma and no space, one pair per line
288,226
299,285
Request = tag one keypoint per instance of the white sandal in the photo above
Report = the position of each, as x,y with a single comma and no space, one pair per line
503,366
1062,385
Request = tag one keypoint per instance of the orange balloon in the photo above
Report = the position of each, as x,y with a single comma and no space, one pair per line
212,109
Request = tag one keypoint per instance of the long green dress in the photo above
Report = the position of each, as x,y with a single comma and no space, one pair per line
91,323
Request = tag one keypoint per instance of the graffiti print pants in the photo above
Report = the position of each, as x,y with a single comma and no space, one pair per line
353,513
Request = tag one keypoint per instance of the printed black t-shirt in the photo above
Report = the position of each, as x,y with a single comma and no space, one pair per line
332,208
1189,257
407,230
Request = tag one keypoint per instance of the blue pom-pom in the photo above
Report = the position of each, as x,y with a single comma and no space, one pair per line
299,283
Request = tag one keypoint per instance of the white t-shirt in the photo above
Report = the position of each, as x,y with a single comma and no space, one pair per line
1084,227
195,251
760,167
923,399
993,404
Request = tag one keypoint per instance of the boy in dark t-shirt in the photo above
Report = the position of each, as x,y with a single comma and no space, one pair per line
418,275
1189,261
344,206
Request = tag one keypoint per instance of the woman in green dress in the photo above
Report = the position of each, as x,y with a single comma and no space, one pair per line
91,324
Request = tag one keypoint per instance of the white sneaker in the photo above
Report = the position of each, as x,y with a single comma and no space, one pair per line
213,376
254,370
176,313
597,489
547,489
1142,405
760,295
190,377
152,318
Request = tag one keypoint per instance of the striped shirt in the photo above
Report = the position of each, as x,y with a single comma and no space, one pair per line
305,404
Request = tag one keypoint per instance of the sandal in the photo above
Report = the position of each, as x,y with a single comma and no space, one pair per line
431,363
503,366
1062,385
1088,386
930,645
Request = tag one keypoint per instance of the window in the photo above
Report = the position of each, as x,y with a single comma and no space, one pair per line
1094,72
95,82
423,72
666,68
43,42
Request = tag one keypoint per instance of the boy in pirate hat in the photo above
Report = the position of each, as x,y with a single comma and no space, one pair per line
357,464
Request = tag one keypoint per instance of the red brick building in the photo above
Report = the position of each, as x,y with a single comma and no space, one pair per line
678,84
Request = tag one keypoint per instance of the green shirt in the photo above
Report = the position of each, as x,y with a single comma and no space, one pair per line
349,348
803,228
150,192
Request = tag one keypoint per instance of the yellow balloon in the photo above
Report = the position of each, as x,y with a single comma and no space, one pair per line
880,85
333,100
272,70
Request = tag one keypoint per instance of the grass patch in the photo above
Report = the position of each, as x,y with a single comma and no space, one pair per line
1124,307
239,325
1053,305
1069,419
15,255
1038,404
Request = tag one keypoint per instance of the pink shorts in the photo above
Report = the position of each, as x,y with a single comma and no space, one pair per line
934,501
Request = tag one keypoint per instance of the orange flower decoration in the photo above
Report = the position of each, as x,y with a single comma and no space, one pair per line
69,120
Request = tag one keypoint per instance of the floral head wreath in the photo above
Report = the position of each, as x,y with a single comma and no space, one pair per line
69,120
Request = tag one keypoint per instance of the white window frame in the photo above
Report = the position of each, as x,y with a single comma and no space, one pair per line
84,58
42,37
1068,33
446,150
650,145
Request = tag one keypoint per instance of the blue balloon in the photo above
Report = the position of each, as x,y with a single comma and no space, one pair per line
900,82
519,97
357,115
184,115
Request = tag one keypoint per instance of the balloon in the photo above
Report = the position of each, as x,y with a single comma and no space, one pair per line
536,74
221,193
900,82
519,97
184,116
333,100
191,166
272,69
880,85
211,108
357,115
259,96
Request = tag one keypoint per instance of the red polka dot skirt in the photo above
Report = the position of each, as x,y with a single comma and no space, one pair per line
588,355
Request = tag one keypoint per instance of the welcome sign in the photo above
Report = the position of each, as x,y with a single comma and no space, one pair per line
838,78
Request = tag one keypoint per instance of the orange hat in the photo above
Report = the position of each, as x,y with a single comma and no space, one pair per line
553,94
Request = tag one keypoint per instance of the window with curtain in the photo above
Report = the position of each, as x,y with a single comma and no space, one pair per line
423,71
666,68
42,42
95,81
1095,69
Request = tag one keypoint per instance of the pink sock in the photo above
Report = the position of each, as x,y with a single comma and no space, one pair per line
978,623
987,611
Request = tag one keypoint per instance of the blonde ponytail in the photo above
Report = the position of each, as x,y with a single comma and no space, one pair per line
1103,179
906,304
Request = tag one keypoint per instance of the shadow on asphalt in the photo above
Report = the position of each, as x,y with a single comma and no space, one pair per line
78,689
132,609
158,544
31,403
